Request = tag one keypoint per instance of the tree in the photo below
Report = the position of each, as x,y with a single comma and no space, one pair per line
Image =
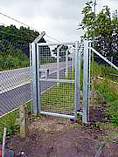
16,38
103,28
14,46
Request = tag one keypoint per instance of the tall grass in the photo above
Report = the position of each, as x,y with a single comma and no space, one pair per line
8,121
108,88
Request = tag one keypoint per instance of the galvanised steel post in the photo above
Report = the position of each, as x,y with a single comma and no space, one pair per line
34,79
86,83
89,75
38,80
77,76
35,74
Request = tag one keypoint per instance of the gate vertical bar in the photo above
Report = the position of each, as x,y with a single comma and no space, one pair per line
77,76
58,49
35,74
86,83
34,79
38,79
73,59
90,58
66,72
57,65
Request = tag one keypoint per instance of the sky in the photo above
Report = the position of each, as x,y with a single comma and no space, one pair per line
58,18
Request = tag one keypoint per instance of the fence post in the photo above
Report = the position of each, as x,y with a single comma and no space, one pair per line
23,121
86,83
77,76
35,74
3,142
35,87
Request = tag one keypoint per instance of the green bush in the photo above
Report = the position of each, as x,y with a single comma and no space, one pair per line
103,71
13,60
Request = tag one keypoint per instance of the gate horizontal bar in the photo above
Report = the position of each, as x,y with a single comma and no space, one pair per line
56,80
57,115
54,44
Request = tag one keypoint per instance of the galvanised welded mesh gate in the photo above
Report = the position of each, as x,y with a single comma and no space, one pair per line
60,72
56,79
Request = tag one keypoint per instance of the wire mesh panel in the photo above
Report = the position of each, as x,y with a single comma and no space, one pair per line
15,89
57,85
15,75
58,98
11,79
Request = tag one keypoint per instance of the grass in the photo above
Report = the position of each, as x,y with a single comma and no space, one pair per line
107,86
9,121
109,91
111,133
103,71
59,98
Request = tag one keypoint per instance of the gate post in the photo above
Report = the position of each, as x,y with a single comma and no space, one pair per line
77,76
35,88
86,83
35,74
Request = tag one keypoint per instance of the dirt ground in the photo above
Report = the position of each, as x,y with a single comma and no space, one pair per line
54,137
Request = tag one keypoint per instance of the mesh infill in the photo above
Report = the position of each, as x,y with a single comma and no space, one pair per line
57,87
15,89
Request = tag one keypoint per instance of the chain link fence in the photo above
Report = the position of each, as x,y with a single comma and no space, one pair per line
15,71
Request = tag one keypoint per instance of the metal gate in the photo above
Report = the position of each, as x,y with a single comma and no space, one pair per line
56,79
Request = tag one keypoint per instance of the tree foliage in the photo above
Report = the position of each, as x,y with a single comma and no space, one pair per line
14,46
103,28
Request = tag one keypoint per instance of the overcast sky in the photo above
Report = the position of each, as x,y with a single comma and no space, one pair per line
59,18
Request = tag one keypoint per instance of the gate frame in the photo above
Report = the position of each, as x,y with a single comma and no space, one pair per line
86,79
